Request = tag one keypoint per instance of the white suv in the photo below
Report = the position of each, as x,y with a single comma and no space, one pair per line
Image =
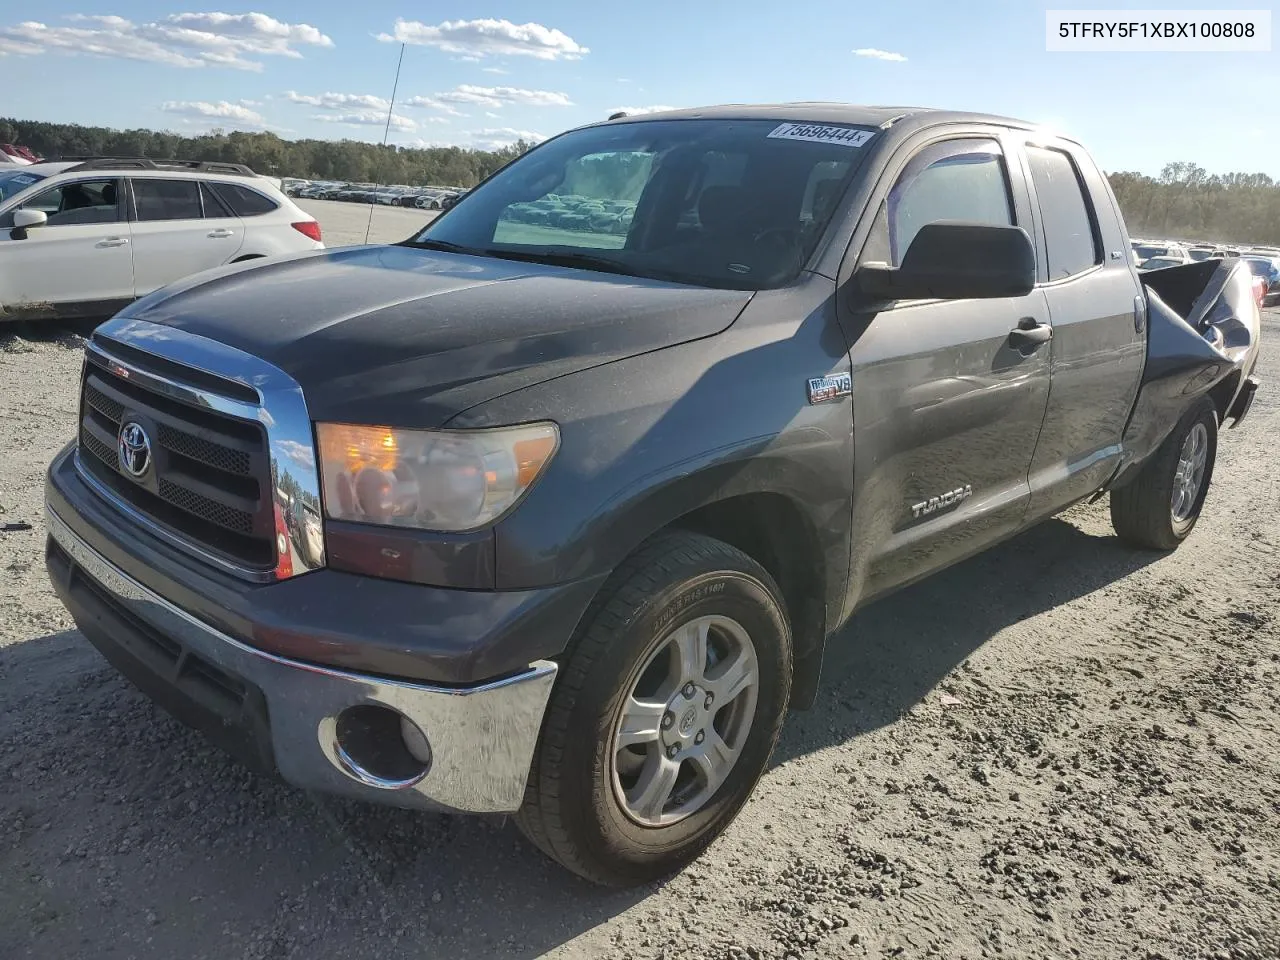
84,238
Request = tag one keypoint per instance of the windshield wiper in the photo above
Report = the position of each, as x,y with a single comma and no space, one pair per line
445,246
554,258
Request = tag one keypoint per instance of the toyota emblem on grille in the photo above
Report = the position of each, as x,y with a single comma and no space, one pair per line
134,449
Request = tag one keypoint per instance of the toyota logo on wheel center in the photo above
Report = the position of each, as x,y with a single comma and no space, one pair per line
688,720
134,449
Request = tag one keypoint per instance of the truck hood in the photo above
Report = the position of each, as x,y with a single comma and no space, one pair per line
406,337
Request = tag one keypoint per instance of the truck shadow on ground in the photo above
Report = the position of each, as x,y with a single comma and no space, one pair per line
127,826
894,652
69,333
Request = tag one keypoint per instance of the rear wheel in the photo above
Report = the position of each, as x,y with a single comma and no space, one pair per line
664,715
1159,508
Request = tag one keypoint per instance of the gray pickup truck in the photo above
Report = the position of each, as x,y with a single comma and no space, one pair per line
551,508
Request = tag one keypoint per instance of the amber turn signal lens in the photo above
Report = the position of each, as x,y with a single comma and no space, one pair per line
530,456
357,447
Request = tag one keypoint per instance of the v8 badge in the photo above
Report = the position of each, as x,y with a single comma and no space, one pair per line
831,387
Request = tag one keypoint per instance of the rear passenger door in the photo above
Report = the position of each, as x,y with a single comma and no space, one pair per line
1099,342
180,228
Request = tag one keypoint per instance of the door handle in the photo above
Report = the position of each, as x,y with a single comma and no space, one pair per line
1030,332
221,234
113,242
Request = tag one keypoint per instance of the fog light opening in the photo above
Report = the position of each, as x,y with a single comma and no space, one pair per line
381,747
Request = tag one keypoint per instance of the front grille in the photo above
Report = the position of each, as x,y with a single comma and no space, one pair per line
208,482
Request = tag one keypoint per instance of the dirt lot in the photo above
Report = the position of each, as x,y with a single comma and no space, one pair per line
1060,749
346,223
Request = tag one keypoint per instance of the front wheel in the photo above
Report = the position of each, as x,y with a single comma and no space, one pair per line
1159,508
664,716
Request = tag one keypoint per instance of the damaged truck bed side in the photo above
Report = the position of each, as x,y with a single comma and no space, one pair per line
552,508
1202,339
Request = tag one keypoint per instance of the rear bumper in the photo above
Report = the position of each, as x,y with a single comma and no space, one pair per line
284,715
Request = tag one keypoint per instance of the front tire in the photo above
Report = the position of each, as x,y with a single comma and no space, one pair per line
634,774
1159,508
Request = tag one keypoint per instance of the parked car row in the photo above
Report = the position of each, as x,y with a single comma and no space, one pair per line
1193,251
423,198
1263,262
570,212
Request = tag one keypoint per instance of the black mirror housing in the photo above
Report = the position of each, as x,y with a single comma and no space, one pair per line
953,260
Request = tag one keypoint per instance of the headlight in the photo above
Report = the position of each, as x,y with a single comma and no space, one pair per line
448,480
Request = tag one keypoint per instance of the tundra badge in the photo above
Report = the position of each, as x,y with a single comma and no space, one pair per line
934,504
831,387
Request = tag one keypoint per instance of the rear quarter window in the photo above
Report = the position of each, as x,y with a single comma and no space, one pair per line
243,201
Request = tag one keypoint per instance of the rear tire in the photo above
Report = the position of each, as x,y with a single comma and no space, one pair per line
588,803
1159,508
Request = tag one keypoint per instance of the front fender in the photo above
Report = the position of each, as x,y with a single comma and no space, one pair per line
649,439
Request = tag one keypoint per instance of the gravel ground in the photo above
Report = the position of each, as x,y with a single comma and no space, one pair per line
1062,748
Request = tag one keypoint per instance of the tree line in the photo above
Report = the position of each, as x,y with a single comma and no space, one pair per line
1187,202
1184,201
347,160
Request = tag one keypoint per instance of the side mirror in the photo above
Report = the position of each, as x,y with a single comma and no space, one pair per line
952,260
26,219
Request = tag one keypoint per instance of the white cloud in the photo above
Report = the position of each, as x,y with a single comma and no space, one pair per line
180,40
338,101
233,113
432,103
496,97
491,98
489,38
367,118
875,54
422,143
497,70
632,111
494,138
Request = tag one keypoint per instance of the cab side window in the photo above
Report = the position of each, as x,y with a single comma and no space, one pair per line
79,202
1071,238
961,179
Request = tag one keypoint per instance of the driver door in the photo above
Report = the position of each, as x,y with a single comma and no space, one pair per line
947,403
79,263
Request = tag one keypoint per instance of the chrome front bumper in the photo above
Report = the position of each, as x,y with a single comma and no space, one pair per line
481,737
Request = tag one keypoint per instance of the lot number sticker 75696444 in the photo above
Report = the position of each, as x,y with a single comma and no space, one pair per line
818,133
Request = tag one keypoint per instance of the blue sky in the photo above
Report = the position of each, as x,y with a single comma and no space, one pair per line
480,75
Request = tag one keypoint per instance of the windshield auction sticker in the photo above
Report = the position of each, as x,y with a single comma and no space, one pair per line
1158,31
819,133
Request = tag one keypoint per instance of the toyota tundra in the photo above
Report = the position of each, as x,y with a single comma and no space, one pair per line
551,509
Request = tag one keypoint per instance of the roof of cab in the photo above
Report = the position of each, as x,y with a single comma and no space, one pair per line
821,112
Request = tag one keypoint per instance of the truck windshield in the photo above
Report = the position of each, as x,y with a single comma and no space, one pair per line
15,181
719,203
